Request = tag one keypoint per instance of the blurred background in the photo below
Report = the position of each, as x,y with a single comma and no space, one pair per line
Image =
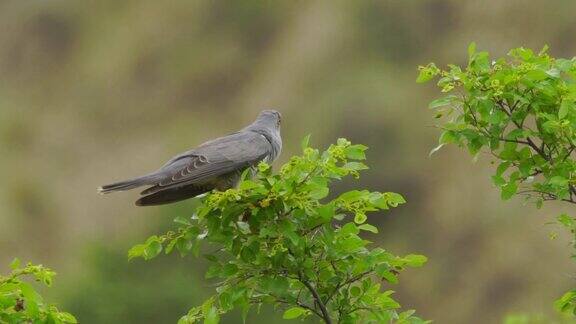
97,91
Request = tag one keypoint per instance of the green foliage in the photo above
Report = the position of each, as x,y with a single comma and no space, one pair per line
20,303
567,303
522,109
278,239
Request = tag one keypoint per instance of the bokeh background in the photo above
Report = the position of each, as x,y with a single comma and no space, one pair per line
96,91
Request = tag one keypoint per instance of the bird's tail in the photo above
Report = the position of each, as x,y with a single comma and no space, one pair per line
127,184
171,195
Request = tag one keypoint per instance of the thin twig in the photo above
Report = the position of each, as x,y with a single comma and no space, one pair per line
325,314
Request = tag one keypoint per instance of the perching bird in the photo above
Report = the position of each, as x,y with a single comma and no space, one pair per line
216,164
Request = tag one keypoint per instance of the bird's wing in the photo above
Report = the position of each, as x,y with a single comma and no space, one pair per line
211,159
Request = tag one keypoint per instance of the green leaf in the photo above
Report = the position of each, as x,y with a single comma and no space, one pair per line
183,220
369,228
508,190
536,75
427,73
213,271
68,318
356,152
448,137
498,180
354,166
394,199
502,167
305,142
153,248
415,260
212,316
136,251
248,184
349,228
558,181
326,212
516,133
566,107
355,291
275,285
263,167
352,195
384,272
360,218
210,257
229,269
566,221
480,62
566,303
294,312
319,192
441,102
471,50
29,293
15,264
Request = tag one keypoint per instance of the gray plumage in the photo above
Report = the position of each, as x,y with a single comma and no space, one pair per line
216,164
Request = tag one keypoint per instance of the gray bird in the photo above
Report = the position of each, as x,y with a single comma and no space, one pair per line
216,164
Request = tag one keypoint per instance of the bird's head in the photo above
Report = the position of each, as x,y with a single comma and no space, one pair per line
270,119
268,125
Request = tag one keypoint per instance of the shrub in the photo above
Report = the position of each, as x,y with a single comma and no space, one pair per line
20,303
522,109
279,240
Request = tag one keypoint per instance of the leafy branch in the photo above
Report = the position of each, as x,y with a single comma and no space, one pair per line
279,240
522,109
20,303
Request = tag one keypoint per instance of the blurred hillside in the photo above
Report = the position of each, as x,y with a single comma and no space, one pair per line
97,91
